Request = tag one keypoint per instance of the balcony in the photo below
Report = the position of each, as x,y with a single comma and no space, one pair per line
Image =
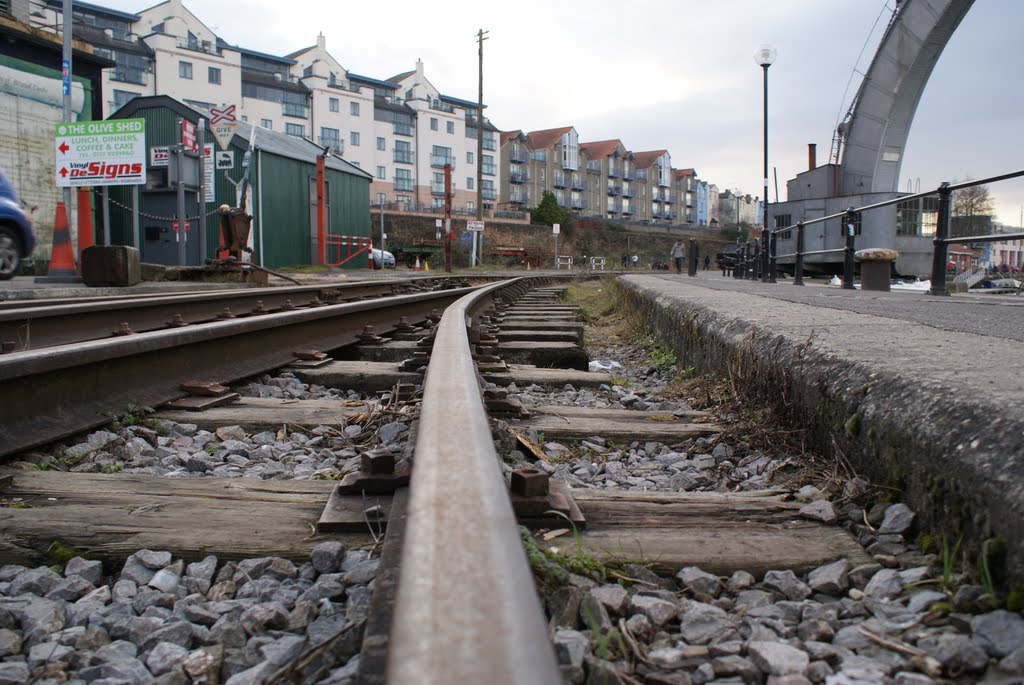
403,129
341,84
405,184
518,177
641,174
403,156
129,75
559,180
489,194
577,204
628,192
614,189
489,144
628,175
613,171
517,197
518,156
438,188
593,167
442,106
488,169
578,184
207,46
439,161
628,211
668,199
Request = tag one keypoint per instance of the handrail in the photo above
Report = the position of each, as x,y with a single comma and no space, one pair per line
467,610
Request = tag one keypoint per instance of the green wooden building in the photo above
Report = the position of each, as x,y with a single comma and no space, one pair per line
281,195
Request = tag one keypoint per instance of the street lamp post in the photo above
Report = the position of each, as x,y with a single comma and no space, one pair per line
765,56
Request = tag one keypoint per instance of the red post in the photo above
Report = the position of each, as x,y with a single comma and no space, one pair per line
85,235
321,212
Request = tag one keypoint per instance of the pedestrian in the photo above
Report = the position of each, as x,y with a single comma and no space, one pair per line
625,260
636,262
707,262
677,254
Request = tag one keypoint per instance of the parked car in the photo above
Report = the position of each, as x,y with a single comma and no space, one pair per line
16,238
382,259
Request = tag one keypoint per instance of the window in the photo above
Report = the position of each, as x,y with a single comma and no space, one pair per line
470,207
329,137
487,165
267,124
450,126
403,152
433,123
185,70
353,138
381,143
297,130
440,156
121,97
332,104
245,118
403,180
382,173
469,183
213,75
353,108
781,221
469,158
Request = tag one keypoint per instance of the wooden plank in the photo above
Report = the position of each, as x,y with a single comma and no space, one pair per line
580,427
113,515
255,413
526,374
720,532
569,411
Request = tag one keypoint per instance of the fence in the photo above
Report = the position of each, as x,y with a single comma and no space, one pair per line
757,258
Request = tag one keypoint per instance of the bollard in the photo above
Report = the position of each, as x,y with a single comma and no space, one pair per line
876,268
765,245
940,253
691,264
798,271
849,250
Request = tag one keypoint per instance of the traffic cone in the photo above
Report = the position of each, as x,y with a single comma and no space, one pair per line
426,266
528,266
417,267
85,234
62,258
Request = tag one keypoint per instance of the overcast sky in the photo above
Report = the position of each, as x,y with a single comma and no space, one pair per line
675,74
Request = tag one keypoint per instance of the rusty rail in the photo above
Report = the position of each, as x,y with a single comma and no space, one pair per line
58,391
467,610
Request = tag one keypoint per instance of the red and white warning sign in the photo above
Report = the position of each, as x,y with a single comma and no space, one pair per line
188,136
223,122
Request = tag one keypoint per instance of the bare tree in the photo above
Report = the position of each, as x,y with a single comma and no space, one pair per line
970,208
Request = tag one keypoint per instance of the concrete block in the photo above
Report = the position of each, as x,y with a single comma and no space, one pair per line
115,266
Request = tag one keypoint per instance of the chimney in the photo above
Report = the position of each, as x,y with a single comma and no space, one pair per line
812,156
321,42
419,68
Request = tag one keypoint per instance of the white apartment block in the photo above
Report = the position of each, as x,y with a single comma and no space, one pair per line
401,130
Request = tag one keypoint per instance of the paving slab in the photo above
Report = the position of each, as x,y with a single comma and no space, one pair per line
918,392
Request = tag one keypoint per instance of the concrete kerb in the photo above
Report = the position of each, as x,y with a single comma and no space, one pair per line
956,460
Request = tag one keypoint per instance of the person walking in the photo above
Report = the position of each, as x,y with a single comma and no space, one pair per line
707,262
677,254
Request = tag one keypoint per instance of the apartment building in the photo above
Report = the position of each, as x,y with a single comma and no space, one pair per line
653,186
514,154
402,130
554,165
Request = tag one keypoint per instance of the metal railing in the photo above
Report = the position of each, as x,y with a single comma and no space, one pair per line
475,630
762,262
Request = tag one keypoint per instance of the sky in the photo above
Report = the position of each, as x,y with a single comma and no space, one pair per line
676,74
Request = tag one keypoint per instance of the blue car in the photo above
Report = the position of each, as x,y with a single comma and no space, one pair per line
16,238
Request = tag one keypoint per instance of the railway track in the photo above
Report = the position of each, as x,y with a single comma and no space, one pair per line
454,597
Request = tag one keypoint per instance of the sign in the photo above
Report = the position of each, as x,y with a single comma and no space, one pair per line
208,174
188,136
100,153
188,226
159,155
555,228
474,225
225,159
223,123
65,77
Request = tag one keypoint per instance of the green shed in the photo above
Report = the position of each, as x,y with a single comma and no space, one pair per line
281,195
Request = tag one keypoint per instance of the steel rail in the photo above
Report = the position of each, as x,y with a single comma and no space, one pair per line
47,325
467,610
58,391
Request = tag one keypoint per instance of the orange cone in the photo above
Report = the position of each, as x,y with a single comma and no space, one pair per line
85,234
62,260
417,267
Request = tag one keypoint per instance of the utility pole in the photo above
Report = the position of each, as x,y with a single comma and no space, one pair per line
65,68
448,217
481,36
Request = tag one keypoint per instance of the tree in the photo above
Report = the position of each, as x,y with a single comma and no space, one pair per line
548,212
730,232
967,207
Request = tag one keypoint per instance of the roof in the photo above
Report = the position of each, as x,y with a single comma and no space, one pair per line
97,37
371,81
383,103
510,135
398,78
647,159
269,141
271,81
264,55
600,149
546,138
461,103
679,173
293,55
